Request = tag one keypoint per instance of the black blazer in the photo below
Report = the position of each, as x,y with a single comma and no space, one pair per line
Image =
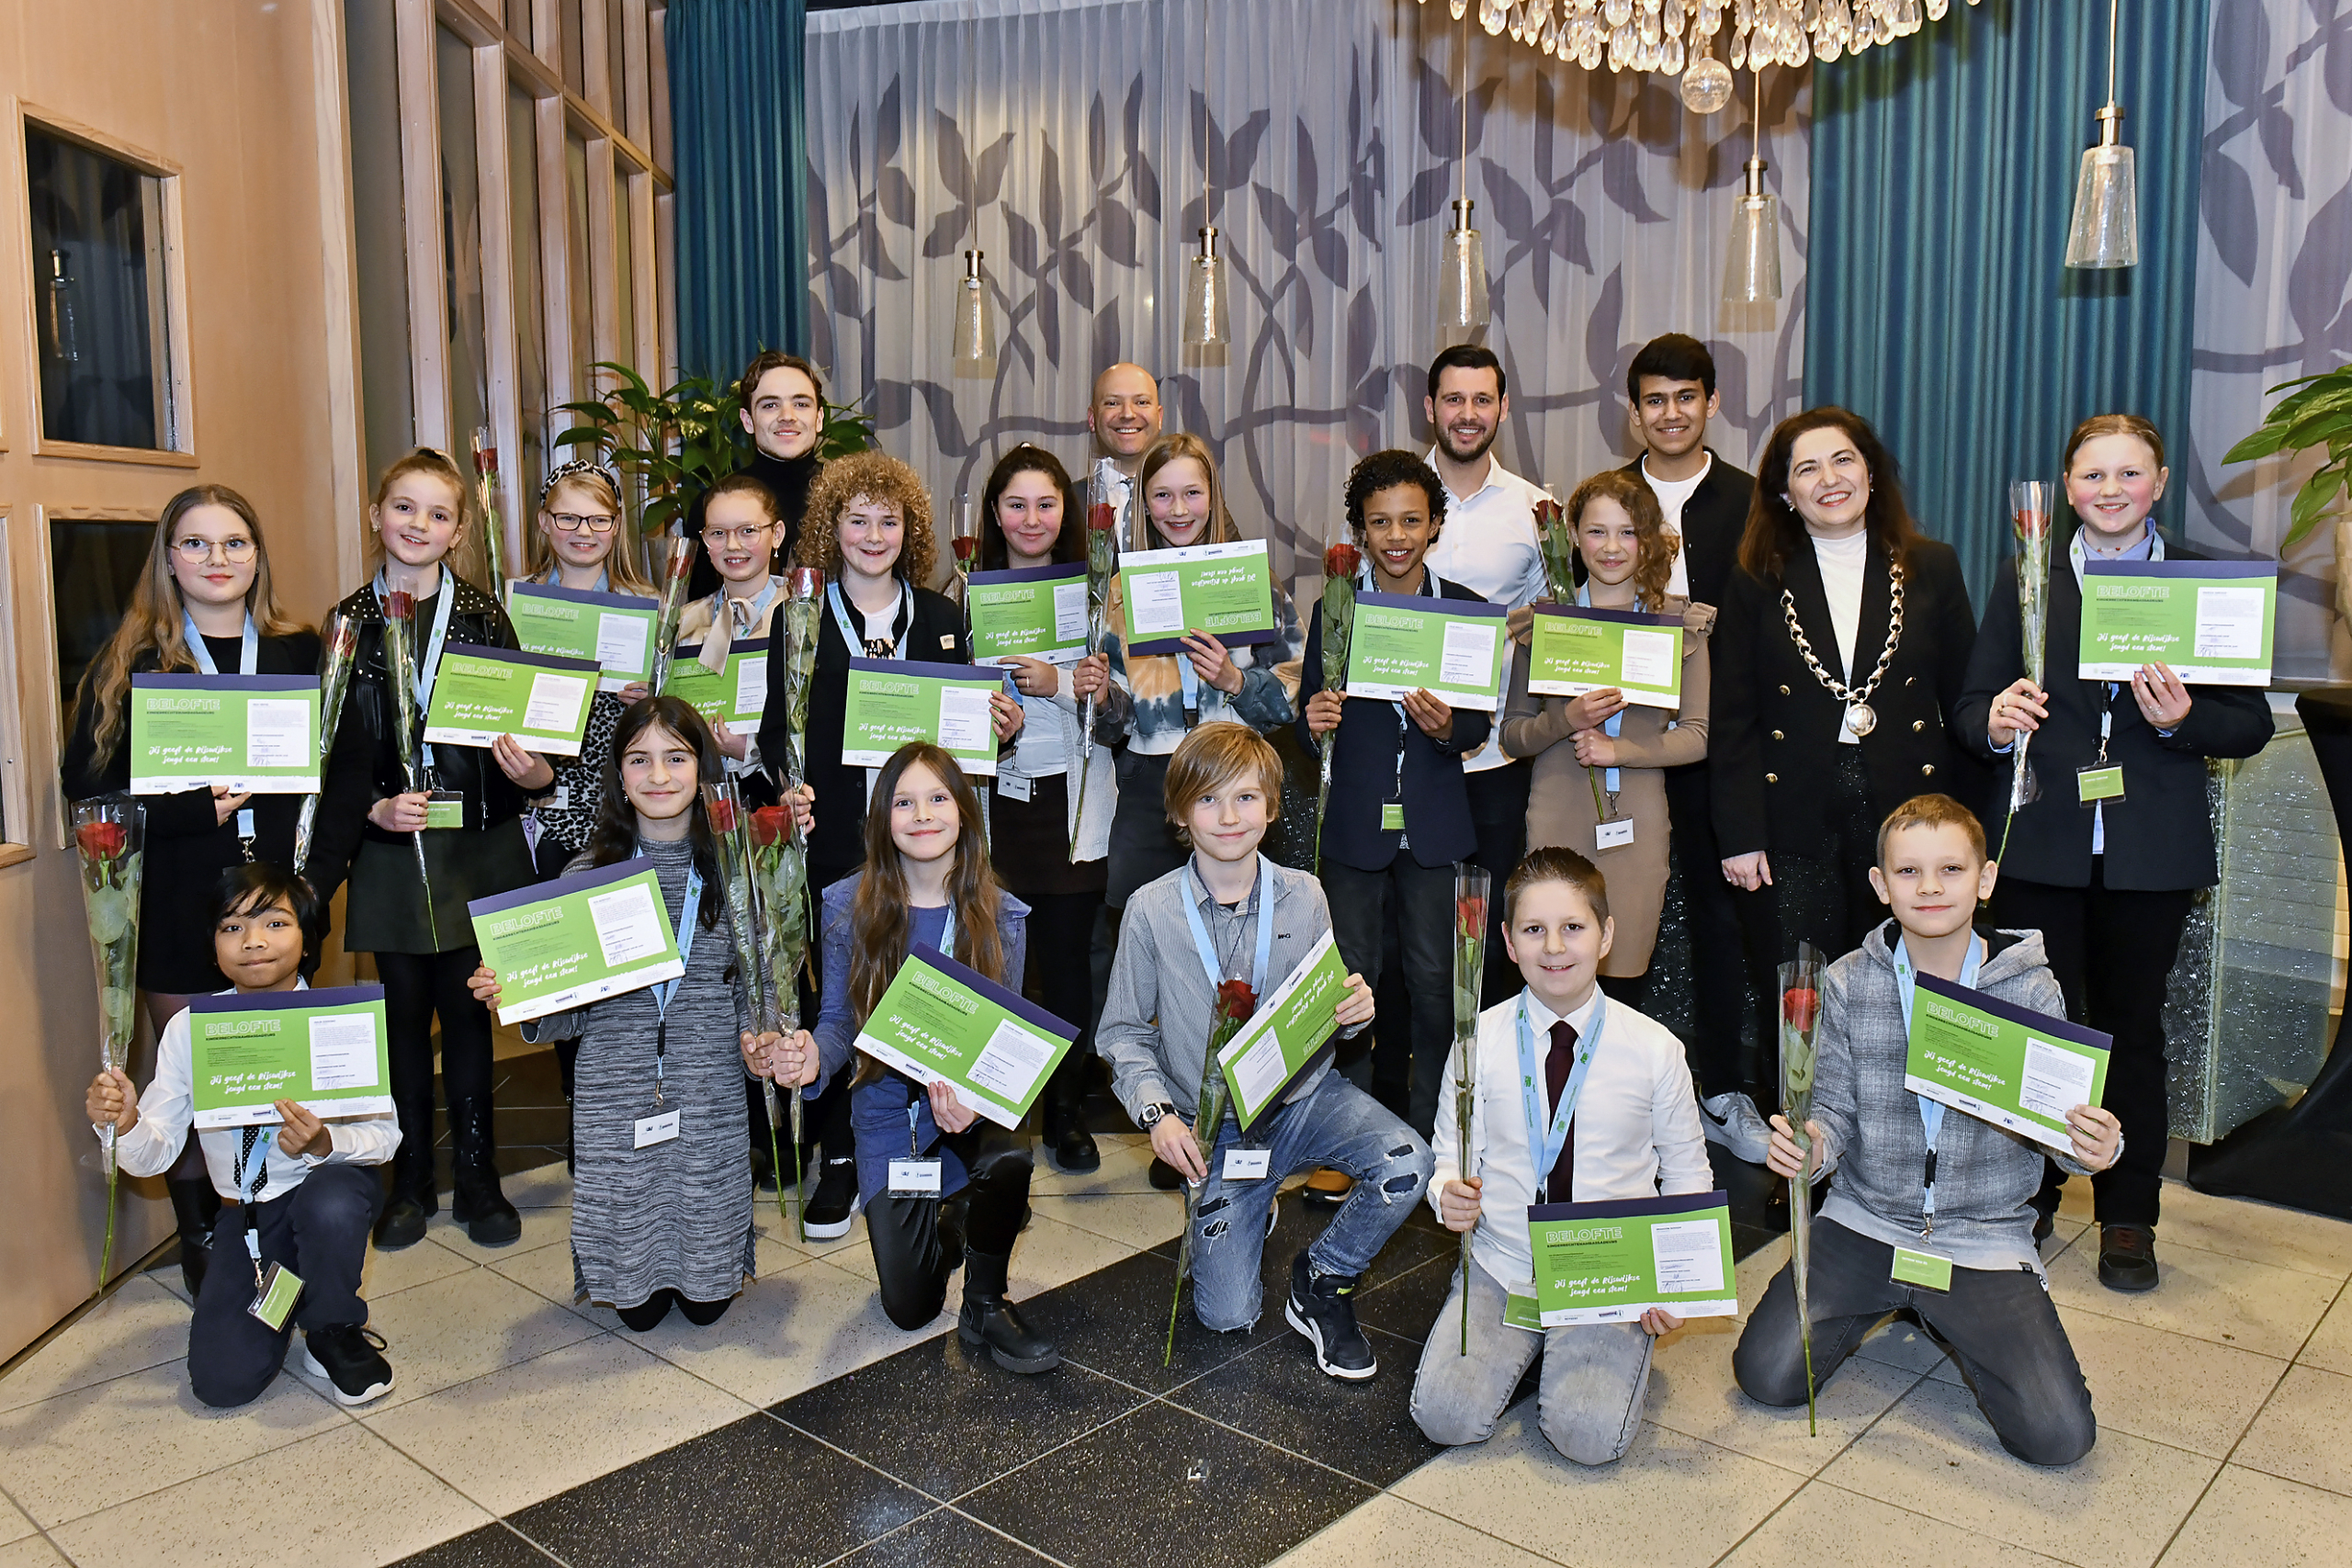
2160,835
365,765
837,842
1365,767
1773,727
1714,519
188,846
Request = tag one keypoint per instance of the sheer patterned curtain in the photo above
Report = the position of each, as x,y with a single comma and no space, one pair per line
1069,140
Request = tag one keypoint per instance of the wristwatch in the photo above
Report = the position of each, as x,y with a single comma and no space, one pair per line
1150,1115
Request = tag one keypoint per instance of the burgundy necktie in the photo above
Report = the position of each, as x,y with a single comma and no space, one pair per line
1560,1185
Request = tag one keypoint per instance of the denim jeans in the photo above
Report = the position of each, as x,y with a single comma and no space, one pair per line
1422,900
1589,1402
1338,1126
1997,1323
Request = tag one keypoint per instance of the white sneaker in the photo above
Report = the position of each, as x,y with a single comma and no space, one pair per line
1731,1120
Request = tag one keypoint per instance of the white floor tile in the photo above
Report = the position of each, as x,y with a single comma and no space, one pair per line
1824,1526
463,1326
1124,1169
541,1187
2306,1432
14,1526
30,1552
2330,1344
1389,1532
2192,1394
545,1271
2264,1232
388,1273
2247,1516
1691,1392
141,1324
1139,1220
540,1226
2205,1295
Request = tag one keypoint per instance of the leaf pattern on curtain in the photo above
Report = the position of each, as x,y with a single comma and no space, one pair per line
1069,139
2273,290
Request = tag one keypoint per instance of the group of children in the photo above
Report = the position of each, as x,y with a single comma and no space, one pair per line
1164,865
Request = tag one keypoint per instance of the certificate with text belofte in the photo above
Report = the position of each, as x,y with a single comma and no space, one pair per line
1227,591
480,694
244,733
1994,1060
737,694
578,939
1611,1262
2210,620
1287,1032
1028,613
939,1020
613,630
323,1049
1573,650
1452,649
891,702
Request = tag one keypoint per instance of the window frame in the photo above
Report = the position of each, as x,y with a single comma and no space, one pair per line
19,829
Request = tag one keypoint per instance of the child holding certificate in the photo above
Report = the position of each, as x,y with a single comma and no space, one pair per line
466,827
1598,764
2106,862
1581,1100
740,529
961,1192
1229,913
202,605
868,530
662,1196
305,1191
1931,1210
1399,813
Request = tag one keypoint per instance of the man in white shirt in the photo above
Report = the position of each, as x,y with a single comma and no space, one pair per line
1488,546
1125,418
1608,1089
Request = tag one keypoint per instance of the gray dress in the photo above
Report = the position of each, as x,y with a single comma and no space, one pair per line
673,1215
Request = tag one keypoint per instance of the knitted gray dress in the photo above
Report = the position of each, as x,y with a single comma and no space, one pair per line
673,1215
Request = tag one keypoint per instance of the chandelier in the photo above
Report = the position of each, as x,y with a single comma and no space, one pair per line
1664,35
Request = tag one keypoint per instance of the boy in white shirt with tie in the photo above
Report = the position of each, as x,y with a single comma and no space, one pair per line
1617,1121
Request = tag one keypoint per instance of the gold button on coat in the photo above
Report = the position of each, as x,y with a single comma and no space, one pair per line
1927,770
1918,725
1784,691
1778,735
1771,778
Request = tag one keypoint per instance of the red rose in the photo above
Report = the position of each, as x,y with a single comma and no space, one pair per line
1101,518
722,815
399,606
486,460
682,557
964,548
770,825
1235,1000
1343,559
101,841
1800,1006
1471,914
1547,512
805,582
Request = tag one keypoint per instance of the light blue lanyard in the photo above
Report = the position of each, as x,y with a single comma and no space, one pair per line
663,991
1610,777
1427,590
1545,1142
1265,895
247,656
900,626
1931,1111
759,601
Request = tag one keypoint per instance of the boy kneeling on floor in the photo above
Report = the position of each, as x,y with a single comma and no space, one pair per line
1911,1175
305,1192
1581,1099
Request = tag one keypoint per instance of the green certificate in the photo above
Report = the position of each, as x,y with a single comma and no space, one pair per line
1451,649
1034,613
613,630
892,701
1225,590
563,944
247,732
1574,650
1286,1034
322,1049
480,694
940,1021
1611,1262
739,696
1997,1062
2210,620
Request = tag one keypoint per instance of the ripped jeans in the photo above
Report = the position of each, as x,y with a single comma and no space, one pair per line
1338,1126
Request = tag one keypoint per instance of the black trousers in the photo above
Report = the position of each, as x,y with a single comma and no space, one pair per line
1499,815
1419,900
2111,951
919,1242
418,987
1826,897
319,1232
1061,927
1718,967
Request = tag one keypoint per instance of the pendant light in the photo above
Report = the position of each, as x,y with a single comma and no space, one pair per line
2105,229
972,350
1462,276
1752,271
1207,321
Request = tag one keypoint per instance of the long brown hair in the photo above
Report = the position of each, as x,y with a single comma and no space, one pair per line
996,553
1633,494
624,567
1161,452
879,921
1773,526
154,620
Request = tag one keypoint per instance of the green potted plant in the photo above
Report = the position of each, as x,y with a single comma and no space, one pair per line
2317,415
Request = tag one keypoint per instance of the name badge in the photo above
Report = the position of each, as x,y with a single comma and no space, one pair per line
1924,1268
245,822
657,1129
445,808
1520,1312
561,799
2099,784
1613,835
1014,786
1247,1165
1392,816
914,1178
274,1303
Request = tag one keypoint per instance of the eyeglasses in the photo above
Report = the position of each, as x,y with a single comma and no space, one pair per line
572,521
196,551
748,535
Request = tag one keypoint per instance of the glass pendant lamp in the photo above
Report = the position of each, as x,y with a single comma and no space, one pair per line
1462,284
1752,271
974,350
1207,322
2106,229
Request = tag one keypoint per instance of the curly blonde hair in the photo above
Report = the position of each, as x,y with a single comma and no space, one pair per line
1632,495
875,477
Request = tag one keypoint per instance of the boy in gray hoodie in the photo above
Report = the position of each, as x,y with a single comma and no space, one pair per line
1951,1186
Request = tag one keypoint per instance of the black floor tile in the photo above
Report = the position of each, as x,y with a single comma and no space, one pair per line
1747,1239
1277,1392
1406,1304
1114,1321
753,1492
943,1538
491,1546
1164,1488
1758,1198
942,1418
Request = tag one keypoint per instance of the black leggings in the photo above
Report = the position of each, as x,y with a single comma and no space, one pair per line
916,1244
418,986
647,1315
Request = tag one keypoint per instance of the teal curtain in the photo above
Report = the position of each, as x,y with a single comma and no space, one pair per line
1942,180
743,171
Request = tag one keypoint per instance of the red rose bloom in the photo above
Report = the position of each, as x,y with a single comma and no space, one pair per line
965,548
770,825
1101,518
1547,512
805,582
1472,915
1800,1006
722,815
1235,1000
101,841
399,606
1343,559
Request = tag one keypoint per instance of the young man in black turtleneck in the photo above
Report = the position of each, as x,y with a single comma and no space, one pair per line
784,410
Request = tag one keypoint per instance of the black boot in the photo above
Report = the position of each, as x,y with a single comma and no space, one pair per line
1065,1120
478,1204
988,1319
195,1205
413,1201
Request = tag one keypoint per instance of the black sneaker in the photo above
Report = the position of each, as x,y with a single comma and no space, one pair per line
833,1205
2127,1257
1321,1306
350,1358
1165,1178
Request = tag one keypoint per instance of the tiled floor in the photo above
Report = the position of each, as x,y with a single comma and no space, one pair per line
528,1431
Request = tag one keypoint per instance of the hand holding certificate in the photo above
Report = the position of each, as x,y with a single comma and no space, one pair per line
563,944
1573,650
939,1021
2020,1070
1225,591
254,734
480,694
1287,1032
1451,649
2210,620
1614,1262
323,1049
614,630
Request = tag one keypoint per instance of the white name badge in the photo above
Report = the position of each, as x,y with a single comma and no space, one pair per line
1014,786
1247,1165
914,1178
1613,835
657,1129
